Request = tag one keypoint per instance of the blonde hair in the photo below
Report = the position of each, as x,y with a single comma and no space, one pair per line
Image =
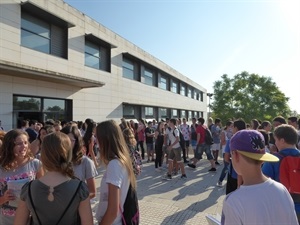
129,137
112,145
56,154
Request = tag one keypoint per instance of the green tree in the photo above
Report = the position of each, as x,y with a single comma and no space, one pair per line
248,96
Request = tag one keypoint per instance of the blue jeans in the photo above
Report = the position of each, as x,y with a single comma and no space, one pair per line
224,170
200,149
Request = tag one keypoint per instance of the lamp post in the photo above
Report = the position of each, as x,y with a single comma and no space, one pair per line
209,95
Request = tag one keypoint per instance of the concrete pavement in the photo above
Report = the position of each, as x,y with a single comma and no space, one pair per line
177,201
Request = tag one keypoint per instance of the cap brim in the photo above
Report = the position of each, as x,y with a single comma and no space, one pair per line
267,157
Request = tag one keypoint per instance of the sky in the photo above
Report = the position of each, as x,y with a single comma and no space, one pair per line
204,39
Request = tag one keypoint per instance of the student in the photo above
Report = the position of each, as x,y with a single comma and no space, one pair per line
117,176
202,147
174,150
285,140
259,200
84,168
16,163
159,141
233,180
55,198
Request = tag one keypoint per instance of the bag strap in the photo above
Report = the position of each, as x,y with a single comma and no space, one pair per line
66,209
123,218
31,202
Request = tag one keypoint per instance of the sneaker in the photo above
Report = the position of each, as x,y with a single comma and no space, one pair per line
183,176
167,177
186,161
191,165
212,170
219,184
217,163
157,170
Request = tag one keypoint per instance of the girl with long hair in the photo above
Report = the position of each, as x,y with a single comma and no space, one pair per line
159,142
17,164
57,197
117,176
83,166
89,142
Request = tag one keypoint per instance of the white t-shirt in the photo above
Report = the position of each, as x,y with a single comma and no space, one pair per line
117,175
268,203
172,138
86,169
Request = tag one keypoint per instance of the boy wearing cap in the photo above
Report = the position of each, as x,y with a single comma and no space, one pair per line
260,200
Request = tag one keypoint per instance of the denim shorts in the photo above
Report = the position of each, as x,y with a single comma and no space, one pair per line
150,146
203,148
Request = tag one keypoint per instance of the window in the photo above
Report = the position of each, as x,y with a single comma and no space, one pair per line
26,103
97,56
41,108
128,69
189,94
163,83
174,87
182,114
190,115
43,36
163,112
148,75
195,94
35,33
182,90
174,113
201,96
128,111
149,111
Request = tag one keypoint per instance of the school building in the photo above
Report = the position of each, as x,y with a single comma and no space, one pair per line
58,63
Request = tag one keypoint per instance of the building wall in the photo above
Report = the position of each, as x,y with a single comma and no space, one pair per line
98,103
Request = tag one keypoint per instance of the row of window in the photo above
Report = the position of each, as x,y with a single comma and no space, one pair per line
51,37
137,111
134,69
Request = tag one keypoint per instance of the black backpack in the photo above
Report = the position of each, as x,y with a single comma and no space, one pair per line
208,139
181,139
131,213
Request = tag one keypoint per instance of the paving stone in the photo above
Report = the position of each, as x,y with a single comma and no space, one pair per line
177,201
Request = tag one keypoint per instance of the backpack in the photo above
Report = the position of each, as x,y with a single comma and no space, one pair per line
289,172
131,213
136,160
208,139
181,139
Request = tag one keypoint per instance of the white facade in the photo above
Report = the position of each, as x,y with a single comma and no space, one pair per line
92,93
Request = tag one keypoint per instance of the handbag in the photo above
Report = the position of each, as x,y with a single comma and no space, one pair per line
66,209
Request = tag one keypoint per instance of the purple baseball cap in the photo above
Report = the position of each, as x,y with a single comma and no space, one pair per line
251,143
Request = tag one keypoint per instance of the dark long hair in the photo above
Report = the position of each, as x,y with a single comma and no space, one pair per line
77,153
88,135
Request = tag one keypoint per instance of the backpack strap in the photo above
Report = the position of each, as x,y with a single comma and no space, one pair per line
66,209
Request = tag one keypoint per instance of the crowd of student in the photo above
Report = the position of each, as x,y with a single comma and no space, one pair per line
61,159
47,175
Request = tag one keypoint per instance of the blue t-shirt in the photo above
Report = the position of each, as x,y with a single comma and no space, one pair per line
232,172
